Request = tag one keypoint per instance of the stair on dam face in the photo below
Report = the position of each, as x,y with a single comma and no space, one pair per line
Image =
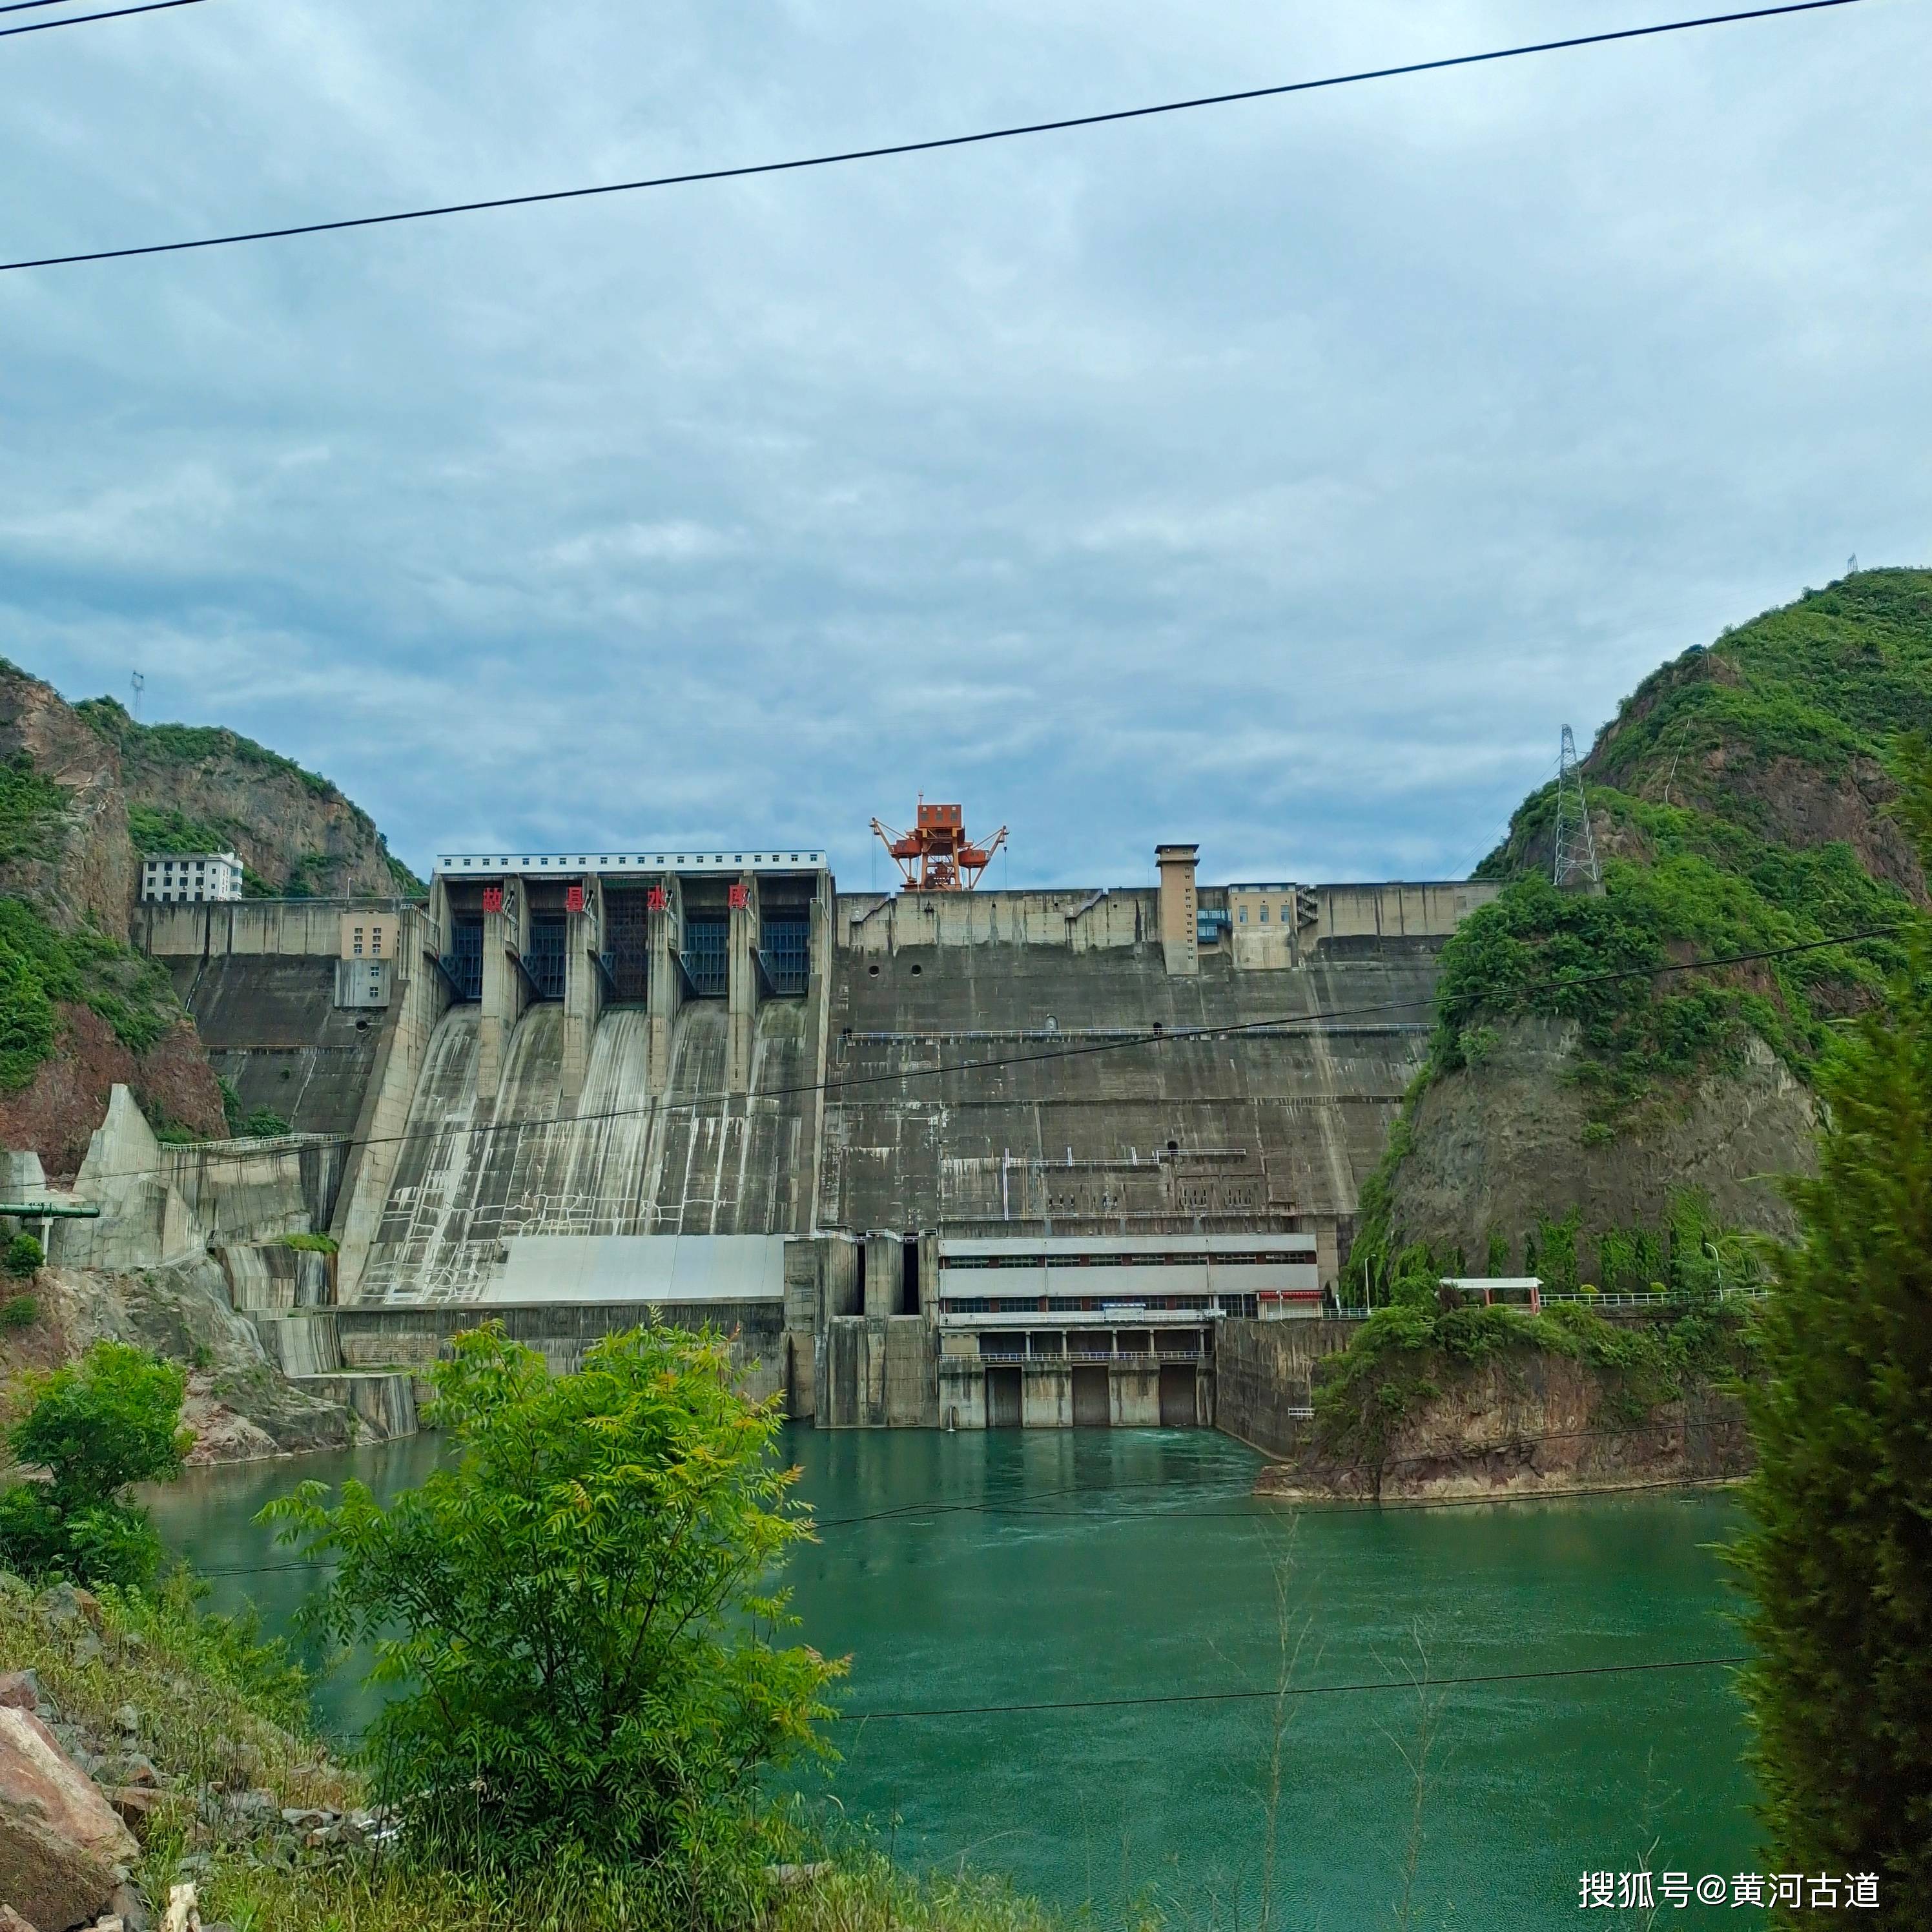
467,1179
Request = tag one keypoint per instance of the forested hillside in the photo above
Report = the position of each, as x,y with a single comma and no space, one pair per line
1580,1099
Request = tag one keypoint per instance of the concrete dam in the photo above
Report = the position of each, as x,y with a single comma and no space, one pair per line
932,1159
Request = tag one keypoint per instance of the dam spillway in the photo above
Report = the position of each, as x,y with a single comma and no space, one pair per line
750,1099
475,1170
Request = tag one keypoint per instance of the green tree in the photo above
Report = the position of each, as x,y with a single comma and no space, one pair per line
1838,1560
96,1427
574,1615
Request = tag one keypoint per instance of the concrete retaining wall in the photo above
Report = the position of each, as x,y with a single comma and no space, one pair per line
1262,1372
380,1337
877,1371
306,928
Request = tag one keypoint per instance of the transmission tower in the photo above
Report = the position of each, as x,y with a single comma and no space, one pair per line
137,683
1575,848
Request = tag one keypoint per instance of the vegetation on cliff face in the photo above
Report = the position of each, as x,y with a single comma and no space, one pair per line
1714,794
1838,1563
31,807
1739,800
39,968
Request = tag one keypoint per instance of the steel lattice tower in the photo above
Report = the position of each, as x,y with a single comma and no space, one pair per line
1575,862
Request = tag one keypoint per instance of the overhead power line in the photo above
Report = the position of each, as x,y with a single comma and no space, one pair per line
82,19
1159,1036
1295,1690
1062,124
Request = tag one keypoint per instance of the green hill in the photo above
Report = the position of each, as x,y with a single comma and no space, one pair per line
1739,804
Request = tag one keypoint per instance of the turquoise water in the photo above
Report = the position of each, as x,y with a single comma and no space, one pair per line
1071,1570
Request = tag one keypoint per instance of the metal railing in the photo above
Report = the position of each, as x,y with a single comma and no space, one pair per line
1665,1300
1082,1357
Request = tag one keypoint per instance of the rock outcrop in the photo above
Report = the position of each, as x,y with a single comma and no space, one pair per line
57,1112
1494,1146
1741,804
73,863
1531,1423
296,832
63,1851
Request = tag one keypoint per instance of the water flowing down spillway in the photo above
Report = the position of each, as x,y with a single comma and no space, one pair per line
469,1178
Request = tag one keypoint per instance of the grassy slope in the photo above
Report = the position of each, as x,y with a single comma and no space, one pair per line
1687,788
215,1708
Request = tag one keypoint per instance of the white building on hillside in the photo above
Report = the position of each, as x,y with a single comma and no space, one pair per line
171,876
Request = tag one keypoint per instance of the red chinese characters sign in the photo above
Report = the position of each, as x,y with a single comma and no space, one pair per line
740,897
573,899
658,899
493,898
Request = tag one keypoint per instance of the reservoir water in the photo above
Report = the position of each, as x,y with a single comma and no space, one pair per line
1130,1615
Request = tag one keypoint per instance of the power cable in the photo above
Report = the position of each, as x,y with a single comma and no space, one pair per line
1297,1691
1490,840
1159,1036
82,19
1061,125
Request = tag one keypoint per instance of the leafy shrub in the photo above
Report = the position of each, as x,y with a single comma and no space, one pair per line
24,1256
316,1244
97,1428
259,1123
18,1311
572,1614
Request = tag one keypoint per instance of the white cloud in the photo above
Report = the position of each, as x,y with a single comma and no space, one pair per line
1283,476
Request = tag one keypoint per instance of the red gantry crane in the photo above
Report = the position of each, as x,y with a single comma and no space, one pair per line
936,856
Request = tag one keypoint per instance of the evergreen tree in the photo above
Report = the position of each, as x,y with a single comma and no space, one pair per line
1838,1560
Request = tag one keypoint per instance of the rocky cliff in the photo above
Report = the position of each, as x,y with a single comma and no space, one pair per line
1478,1401
199,788
79,1011
83,789
64,844
1585,1075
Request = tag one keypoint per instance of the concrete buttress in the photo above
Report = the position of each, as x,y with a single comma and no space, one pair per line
667,983
742,985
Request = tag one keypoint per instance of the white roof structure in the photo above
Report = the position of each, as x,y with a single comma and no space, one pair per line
641,860
658,1268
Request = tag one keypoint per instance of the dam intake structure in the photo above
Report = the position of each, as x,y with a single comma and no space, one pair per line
932,1159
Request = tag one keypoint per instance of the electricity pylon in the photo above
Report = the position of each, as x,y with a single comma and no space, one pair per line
1576,863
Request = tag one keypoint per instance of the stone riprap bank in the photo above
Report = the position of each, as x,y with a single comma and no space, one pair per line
935,1159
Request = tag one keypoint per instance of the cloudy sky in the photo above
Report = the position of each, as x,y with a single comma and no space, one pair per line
1281,476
